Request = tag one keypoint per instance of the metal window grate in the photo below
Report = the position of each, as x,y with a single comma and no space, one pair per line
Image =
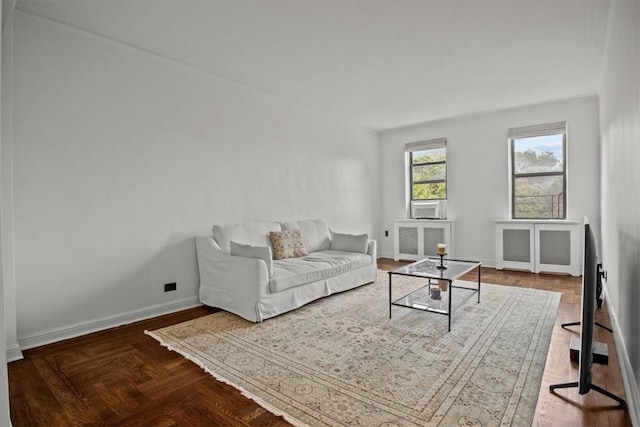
555,247
408,239
432,236
516,245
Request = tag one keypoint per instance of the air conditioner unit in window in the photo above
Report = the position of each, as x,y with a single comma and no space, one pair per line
429,209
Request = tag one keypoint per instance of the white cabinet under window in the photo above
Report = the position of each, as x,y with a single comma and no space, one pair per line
415,239
539,246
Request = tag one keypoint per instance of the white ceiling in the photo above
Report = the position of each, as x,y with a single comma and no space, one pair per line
377,63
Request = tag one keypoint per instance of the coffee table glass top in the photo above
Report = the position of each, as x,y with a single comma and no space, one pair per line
428,268
436,295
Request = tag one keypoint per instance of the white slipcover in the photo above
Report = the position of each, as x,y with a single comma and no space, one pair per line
242,285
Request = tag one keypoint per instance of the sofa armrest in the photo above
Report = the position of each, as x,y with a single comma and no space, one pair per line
372,250
232,277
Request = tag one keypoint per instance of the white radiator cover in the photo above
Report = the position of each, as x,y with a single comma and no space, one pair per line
415,239
539,246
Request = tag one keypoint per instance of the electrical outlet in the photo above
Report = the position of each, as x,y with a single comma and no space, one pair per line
386,233
170,286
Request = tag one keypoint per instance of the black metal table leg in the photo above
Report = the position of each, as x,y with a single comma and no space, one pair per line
450,298
479,270
390,295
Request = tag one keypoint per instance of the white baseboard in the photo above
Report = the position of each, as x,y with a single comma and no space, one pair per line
14,353
83,328
626,370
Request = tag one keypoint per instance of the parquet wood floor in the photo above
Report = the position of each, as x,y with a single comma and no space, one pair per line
122,377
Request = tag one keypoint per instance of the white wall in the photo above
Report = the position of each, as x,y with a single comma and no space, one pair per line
120,157
6,213
620,129
477,171
5,419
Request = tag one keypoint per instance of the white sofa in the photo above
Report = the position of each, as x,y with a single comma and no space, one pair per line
258,288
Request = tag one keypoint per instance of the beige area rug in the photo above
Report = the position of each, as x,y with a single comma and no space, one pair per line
342,361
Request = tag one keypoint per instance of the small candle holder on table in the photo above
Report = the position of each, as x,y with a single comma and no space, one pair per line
442,266
442,251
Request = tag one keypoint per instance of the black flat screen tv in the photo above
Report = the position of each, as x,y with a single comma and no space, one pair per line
590,279
589,284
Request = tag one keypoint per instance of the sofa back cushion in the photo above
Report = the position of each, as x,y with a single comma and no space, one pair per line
249,233
350,242
315,233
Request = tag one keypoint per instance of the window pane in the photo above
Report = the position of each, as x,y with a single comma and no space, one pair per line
539,154
429,191
539,197
429,172
426,156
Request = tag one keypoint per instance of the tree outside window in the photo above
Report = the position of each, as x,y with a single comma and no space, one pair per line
539,177
428,174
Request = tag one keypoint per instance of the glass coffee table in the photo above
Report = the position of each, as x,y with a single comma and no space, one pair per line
437,294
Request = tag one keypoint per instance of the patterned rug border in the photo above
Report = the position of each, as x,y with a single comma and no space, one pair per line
553,301
290,419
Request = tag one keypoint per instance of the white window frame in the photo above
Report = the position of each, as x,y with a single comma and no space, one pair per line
546,129
431,144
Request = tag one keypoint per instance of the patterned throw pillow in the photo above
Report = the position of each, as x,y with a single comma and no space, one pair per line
287,244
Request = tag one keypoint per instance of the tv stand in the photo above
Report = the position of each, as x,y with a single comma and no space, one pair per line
586,348
599,300
564,325
600,352
600,390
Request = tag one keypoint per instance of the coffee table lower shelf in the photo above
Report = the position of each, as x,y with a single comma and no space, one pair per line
436,295
422,304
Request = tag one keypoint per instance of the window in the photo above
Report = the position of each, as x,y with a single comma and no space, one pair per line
427,170
539,171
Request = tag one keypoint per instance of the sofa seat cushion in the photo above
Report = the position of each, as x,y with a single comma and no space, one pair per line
292,272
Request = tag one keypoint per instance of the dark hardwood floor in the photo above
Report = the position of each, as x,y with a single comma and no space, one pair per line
122,377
